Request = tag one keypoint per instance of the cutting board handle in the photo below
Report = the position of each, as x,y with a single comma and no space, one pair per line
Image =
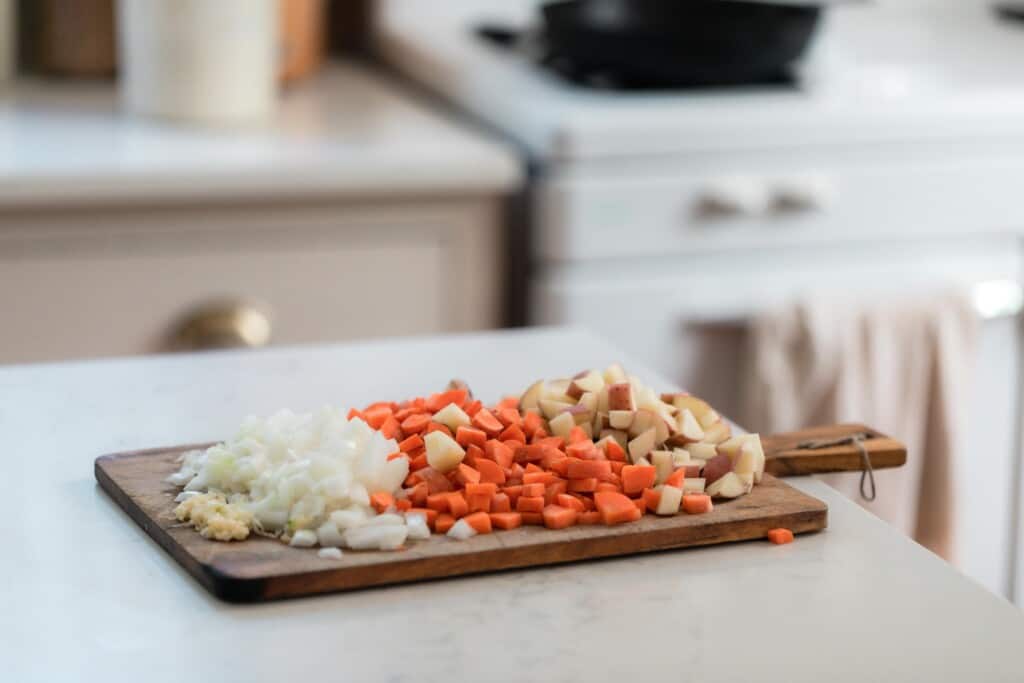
784,455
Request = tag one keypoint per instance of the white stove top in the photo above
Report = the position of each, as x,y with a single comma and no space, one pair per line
875,75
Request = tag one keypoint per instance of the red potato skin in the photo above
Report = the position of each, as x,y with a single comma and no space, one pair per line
620,396
716,468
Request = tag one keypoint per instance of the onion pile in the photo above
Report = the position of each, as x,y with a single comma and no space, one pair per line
306,478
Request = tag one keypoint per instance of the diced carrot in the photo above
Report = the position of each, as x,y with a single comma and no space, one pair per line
391,429
614,451
539,477
509,416
490,471
377,415
553,489
651,498
558,517
516,471
480,521
485,420
560,467
390,405
511,402
615,508
608,486
419,462
436,482
640,504
533,490
438,401
413,479
482,489
443,523
354,413
589,517
567,501
400,415
457,504
584,485
513,492
473,454
466,436
636,478
552,441
418,494
500,502
411,443
697,503
587,469
478,502
499,453
431,515
536,518
381,500
538,435
395,456
577,435
403,504
506,520
617,466
414,424
438,427
530,504
676,478
438,501
634,515
780,536
532,422
472,408
512,433
464,474
532,453
584,450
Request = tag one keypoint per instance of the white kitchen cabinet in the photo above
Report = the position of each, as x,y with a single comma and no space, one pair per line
357,213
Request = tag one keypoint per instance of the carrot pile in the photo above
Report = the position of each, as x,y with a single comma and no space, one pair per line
501,468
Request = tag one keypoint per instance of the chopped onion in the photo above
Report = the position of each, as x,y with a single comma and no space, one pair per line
462,531
297,472
303,538
417,524
328,535
329,553
386,537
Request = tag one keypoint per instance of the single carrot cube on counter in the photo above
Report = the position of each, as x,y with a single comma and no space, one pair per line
780,536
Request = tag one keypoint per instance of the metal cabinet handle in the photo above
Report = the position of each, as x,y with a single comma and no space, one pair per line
222,325
734,197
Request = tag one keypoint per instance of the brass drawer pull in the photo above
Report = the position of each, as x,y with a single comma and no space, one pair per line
222,325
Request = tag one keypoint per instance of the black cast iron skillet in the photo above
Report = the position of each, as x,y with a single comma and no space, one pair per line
678,42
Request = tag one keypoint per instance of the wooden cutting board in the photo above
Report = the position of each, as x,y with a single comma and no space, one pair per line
261,569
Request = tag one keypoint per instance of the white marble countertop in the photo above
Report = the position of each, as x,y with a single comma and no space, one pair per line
347,131
87,595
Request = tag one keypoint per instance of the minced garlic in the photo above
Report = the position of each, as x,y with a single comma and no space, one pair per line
214,517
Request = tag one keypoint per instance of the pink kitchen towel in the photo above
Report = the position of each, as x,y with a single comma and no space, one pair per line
897,364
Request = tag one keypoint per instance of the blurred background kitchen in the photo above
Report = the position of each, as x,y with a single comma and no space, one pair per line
805,212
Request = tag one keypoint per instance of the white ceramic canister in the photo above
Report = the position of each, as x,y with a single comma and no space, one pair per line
206,61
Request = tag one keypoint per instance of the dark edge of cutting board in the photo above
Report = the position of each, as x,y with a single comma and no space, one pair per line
261,569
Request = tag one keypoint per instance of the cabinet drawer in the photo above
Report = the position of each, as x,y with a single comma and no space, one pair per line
771,204
317,276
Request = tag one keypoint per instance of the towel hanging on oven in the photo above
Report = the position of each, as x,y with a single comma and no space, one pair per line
901,364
